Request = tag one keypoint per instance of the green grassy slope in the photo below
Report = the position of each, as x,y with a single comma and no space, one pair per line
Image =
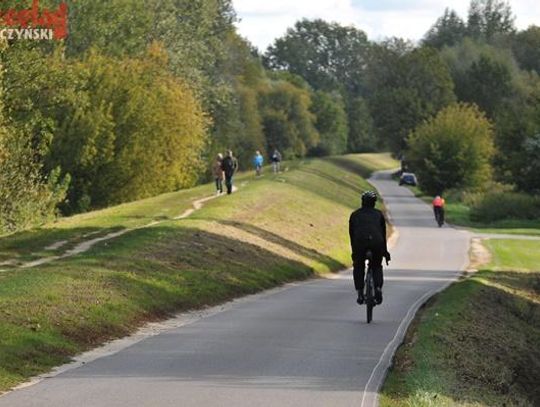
478,342
273,230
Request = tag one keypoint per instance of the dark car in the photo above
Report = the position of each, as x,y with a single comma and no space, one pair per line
408,178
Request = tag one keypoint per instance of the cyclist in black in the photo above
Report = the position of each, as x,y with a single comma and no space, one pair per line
367,230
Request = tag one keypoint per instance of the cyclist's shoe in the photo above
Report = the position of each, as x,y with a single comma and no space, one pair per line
361,300
378,296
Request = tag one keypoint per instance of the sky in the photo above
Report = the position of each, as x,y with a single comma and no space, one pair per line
262,21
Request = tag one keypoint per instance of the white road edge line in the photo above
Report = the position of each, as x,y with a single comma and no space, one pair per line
399,335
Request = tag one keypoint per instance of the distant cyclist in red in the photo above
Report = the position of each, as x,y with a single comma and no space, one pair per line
438,209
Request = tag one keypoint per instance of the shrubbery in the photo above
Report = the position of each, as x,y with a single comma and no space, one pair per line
140,131
495,206
27,198
452,150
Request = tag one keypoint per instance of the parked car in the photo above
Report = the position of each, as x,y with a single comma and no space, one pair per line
408,178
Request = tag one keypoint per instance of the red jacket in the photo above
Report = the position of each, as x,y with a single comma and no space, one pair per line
438,202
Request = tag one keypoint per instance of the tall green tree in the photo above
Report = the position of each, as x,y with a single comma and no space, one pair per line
287,120
526,48
116,27
489,18
483,74
528,179
448,30
452,150
237,124
330,122
362,136
406,87
328,56
195,33
517,121
487,83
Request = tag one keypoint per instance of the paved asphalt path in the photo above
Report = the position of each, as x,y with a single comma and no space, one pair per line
305,345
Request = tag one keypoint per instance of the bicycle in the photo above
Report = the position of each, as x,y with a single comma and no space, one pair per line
369,285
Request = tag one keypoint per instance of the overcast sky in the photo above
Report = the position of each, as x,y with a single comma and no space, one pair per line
264,20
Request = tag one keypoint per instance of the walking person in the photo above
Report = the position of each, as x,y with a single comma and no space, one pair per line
258,162
276,161
229,166
219,175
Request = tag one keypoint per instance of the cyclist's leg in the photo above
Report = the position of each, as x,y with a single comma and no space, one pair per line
439,213
359,264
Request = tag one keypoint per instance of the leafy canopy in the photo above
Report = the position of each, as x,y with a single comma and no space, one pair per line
452,150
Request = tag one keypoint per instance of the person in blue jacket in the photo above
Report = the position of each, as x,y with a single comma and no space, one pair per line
258,162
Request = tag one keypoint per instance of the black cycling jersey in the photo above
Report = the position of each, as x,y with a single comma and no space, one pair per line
367,229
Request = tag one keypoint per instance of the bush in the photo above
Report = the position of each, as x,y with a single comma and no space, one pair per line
452,150
27,198
134,131
495,206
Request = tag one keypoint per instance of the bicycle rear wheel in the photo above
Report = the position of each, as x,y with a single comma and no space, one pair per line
370,297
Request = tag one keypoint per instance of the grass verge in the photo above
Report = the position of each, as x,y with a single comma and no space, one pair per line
478,342
275,229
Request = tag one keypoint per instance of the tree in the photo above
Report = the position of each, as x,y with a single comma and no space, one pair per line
238,122
330,122
123,129
116,27
517,121
526,48
483,74
396,111
488,18
28,194
327,55
198,36
362,136
159,129
487,83
287,121
449,30
330,57
452,150
406,87
528,179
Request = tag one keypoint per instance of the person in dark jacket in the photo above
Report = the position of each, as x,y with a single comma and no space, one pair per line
218,173
367,231
276,161
229,166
